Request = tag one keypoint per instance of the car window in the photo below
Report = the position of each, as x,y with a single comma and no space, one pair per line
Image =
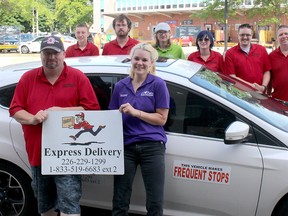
6,95
236,92
103,86
194,114
39,39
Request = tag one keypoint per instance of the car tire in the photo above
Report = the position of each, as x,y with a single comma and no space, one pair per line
16,194
24,50
281,208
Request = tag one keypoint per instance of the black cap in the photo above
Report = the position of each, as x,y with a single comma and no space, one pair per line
52,42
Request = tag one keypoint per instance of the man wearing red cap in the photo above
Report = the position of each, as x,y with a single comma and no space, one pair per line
52,87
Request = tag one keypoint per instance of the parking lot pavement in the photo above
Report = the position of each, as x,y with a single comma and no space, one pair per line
15,58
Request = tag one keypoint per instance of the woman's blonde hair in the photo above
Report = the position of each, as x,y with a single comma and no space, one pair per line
153,55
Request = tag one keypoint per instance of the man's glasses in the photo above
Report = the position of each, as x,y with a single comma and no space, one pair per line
245,35
121,25
204,39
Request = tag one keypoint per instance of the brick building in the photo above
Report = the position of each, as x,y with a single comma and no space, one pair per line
146,14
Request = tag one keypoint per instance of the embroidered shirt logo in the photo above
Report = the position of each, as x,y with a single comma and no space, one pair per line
147,93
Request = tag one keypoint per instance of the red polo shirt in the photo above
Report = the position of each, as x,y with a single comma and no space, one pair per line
214,62
249,67
113,48
89,50
34,93
279,74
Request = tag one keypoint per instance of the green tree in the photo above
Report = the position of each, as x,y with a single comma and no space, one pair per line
270,12
52,15
8,12
215,10
72,12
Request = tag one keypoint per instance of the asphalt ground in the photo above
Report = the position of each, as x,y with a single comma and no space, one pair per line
11,58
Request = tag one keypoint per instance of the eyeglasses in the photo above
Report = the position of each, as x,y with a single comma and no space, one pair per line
162,32
243,35
121,25
204,39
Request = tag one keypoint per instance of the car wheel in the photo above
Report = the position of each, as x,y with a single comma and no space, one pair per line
16,195
24,49
281,208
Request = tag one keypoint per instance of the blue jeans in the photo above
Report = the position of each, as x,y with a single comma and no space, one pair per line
150,155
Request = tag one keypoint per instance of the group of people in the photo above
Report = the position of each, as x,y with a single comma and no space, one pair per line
56,86
122,45
248,62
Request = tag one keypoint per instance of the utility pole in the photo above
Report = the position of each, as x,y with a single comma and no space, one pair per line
33,20
226,25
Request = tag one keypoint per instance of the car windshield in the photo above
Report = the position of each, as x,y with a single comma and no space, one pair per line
265,108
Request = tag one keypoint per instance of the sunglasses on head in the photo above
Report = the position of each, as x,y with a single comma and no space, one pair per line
203,39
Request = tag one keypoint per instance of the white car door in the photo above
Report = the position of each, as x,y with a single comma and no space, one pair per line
204,175
35,45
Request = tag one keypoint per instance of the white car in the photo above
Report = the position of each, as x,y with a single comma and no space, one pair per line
227,149
33,46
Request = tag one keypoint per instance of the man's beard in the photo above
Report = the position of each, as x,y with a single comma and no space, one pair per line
122,34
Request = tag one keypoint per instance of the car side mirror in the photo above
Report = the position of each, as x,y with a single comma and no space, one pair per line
236,133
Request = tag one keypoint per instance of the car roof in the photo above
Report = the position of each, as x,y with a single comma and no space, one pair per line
179,67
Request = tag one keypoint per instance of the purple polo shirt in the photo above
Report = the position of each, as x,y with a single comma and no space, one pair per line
152,94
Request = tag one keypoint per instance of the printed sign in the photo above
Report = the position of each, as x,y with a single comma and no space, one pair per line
201,172
85,142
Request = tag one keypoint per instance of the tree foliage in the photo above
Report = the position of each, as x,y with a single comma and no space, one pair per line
269,12
215,10
72,12
52,15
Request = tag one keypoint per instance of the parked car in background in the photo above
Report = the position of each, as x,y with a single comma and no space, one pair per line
183,40
227,149
23,37
8,43
8,39
32,46
68,41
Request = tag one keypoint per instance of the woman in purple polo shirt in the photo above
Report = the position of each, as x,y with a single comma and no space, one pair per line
143,100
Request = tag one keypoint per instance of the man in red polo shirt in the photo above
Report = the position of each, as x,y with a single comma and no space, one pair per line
279,61
52,87
83,46
123,42
248,62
